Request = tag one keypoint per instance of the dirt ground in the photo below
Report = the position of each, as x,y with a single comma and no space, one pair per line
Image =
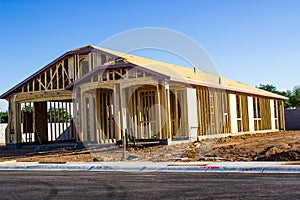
276,146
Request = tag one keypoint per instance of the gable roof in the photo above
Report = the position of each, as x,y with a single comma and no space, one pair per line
187,75
74,51
175,72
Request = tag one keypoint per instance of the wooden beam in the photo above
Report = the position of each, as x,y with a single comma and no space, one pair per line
41,124
40,84
57,76
45,79
33,85
168,111
44,96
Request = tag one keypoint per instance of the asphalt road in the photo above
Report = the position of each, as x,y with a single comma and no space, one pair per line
126,185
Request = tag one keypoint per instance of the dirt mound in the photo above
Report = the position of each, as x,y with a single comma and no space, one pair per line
293,155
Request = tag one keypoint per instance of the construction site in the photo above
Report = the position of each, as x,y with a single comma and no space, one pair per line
102,98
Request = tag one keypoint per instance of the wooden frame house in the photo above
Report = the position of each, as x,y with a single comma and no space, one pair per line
99,96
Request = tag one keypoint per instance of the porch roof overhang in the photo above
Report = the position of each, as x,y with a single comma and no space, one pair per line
103,67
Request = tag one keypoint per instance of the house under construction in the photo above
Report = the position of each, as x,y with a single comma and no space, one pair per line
99,96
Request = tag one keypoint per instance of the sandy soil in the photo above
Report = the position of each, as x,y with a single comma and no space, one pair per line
276,146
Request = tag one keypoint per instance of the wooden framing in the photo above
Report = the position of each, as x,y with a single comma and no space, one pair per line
114,98
178,110
242,112
213,111
262,113
281,116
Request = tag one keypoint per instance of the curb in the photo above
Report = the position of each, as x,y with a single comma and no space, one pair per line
201,169
8,162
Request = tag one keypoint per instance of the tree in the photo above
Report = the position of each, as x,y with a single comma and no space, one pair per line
273,89
27,108
4,117
58,115
295,97
268,87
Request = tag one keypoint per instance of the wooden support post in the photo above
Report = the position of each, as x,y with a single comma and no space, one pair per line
176,119
57,76
135,114
71,122
18,123
45,78
159,128
59,118
77,110
51,82
63,75
8,132
117,112
65,121
139,115
13,131
92,118
168,111
51,122
41,124
101,116
98,119
163,111
111,115
90,61
33,85
55,120
83,117
28,88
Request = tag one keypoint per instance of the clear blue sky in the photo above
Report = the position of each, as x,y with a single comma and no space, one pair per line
255,41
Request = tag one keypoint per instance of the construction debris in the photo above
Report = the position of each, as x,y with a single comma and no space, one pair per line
276,146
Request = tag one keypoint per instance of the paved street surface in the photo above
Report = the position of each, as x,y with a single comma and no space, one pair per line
156,185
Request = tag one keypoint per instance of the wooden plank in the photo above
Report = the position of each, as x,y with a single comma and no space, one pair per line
175,133
117,110
57,76
28,89
158,116
139,115
83,118
101,115
18,123
245,115
98,125
76,107
40,85
135,114
72,132
92,134
33,85
45,79
39,96
59,119
41,125
65,119
282,118
55,120
118,73
110,114
52,122
63,76
168,112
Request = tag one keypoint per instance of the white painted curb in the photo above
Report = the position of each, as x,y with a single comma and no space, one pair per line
11,165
